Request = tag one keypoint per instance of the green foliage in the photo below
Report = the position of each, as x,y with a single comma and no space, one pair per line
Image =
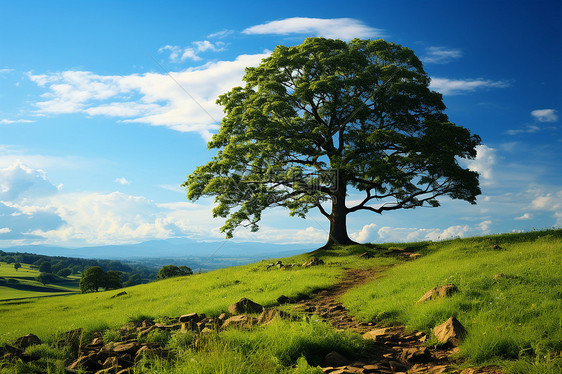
17,265
170,271
92,279
64,272
45,267
360,114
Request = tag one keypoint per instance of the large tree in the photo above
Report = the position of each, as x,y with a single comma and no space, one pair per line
324,118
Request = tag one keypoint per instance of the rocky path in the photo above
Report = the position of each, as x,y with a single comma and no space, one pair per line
393,350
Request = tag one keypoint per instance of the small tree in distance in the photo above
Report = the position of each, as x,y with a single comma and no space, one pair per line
321,119
92,279
17,265
169,271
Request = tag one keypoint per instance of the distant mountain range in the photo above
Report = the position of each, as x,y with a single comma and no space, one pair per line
211,254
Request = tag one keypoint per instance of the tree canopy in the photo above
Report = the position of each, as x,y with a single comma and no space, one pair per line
317,121
169,271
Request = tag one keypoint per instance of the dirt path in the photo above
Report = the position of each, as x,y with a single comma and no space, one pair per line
394,350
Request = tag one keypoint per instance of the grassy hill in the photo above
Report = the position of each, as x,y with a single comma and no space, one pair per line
22,283
510,301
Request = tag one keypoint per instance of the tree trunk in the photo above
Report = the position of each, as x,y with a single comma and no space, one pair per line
338,218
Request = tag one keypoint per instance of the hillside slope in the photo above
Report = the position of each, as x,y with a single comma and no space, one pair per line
509,302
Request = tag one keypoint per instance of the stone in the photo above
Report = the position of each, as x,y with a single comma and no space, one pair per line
499,275
398,366
191,317
118,295
27,341
245,305
283,299
416,355
122,348
313,262
335,359
238,321
110,362
452,332
439,292
377,334
88,362
414,256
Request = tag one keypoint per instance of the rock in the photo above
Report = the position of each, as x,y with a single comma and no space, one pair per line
110,362
313,262
122,348
283,299
335,359
27,340
119,294
439,292
245,306
452,332
150,352
145,331
147,323
366,255
499,275
396,367
89,362
416,355
414,256
377,334
191,318
238,321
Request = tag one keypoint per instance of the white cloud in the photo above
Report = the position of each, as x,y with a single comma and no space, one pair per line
122,181
549,202
19,181
183,101
5,230
485,159
336,28
524,217
367,234
5,71
441,55
221,34
173,188
545,115
10,121
460,86
179,54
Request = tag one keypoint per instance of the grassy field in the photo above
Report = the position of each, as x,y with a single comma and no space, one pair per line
513,320
510,300
26,285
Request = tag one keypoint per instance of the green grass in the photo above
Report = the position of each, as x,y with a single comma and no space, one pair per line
515,317
210,293
28,287
280,347
514,321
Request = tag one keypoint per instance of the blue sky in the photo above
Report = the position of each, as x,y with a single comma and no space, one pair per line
96,136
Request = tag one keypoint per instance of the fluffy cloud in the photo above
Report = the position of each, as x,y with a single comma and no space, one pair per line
336,28
440,55
545,115
183,101
179,54
485,159
549,202
122,181
460,86
19,181
369,233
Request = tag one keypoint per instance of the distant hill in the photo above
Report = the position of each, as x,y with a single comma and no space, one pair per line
185,251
